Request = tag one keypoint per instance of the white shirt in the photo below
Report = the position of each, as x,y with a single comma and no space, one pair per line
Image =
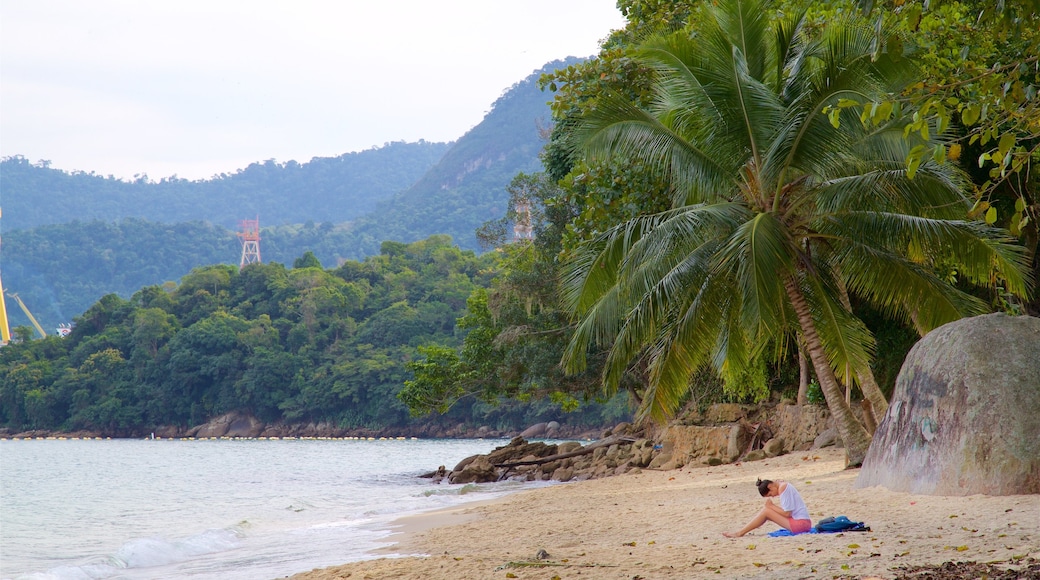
791,501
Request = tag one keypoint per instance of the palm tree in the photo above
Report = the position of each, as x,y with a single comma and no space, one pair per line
785,203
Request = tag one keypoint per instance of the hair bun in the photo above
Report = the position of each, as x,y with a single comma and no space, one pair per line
758,482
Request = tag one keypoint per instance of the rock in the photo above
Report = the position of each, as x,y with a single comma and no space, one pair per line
216,427
724,413
661,460
965,415
536,430
563,474
797,425
568,447
479,470
826,439
756,455
518,449
542,555
739,437
244,426
621,429
774,447
462,464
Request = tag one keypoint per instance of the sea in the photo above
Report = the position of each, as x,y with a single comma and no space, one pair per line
216,508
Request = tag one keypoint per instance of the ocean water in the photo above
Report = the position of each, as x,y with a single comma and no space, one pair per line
214,509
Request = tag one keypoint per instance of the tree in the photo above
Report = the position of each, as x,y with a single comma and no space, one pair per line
307,260
783,205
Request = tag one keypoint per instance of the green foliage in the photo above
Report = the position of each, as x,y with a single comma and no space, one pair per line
814,394
301,344
781,202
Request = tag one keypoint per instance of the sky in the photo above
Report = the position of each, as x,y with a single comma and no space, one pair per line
197,88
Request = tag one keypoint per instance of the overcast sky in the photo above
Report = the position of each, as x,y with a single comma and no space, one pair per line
197,88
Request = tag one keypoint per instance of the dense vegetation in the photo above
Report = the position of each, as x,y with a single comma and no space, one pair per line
334,189
298,345
60,270
664,143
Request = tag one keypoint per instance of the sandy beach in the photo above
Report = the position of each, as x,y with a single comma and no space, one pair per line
669,524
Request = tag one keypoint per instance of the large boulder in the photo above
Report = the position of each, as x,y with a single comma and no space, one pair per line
965,415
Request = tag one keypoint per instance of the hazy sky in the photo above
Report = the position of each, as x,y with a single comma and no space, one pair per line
196,88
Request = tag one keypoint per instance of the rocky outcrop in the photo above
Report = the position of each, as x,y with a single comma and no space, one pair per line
726,432
722,434
623,450
965,415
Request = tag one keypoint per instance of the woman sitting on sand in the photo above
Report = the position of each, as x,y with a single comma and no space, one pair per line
791,514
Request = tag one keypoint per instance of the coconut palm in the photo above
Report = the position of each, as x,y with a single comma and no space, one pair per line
778,215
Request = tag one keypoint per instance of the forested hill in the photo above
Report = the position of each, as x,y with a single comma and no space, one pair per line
60,270
468,185
334,189
295,345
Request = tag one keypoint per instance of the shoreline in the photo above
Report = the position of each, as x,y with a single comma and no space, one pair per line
668,524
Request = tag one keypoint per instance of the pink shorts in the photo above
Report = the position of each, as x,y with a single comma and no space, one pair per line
800,526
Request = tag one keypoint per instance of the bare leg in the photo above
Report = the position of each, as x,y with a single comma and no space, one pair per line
769,513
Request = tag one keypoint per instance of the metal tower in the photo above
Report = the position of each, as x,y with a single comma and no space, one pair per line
522,229
249,231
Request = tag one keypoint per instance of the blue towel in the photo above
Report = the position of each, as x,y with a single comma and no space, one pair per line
782,533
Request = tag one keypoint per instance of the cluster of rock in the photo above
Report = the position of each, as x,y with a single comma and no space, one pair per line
723,434
621,451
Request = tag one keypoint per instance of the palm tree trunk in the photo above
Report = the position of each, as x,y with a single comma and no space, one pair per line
803,375
873,393
867,383
852,432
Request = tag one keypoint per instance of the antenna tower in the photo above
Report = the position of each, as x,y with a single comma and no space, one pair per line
522,229
249,231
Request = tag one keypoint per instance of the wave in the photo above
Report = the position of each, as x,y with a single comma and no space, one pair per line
145,553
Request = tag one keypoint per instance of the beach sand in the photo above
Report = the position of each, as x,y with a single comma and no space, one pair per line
669,524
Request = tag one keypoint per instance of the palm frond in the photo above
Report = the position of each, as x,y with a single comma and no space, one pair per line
758,255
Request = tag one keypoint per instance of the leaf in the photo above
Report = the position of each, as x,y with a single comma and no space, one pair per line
991,218
970,115
1015,227
882,112
939,154
751,547
962,548
913,17
510,575
911,167
1007,141
955,152
1020,204
853,546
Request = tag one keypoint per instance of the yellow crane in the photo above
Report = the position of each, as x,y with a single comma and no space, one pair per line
5,331
43,333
